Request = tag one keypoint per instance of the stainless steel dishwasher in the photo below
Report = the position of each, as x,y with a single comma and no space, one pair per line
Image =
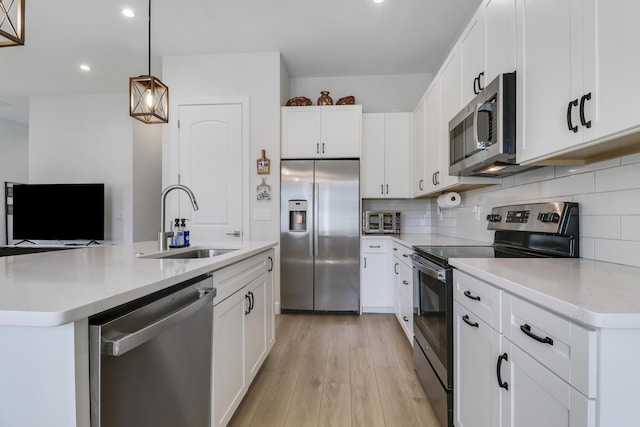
150,360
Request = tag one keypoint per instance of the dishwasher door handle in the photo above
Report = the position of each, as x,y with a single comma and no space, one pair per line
118,347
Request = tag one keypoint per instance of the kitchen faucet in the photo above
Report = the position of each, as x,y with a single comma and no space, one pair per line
163,235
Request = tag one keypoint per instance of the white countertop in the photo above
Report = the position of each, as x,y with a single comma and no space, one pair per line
594,293
54,288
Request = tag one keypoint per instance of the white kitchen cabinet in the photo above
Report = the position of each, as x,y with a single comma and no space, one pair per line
402,272
418,184
476,391
332,131
376,292
243,325
488,46
386,152
574,81
537,397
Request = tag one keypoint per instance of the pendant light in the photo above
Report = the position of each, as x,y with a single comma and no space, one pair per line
148,96
11,23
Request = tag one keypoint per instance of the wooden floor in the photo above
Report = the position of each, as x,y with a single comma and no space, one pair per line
337,370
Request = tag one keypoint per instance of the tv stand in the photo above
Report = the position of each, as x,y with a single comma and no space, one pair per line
25,240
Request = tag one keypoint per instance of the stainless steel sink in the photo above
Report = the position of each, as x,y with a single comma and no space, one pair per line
193,253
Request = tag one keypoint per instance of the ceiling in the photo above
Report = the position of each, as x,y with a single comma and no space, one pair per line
321,38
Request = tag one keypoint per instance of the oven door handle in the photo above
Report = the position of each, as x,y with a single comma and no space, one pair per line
429,268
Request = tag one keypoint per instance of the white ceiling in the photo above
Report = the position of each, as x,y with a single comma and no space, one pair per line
321,38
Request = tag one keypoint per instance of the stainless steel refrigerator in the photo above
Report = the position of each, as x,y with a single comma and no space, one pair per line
320,235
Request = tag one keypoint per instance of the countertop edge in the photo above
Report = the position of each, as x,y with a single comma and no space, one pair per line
57,318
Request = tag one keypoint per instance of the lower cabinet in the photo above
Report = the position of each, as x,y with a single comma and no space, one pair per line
377,294
541,371
477,393
243,331
403,288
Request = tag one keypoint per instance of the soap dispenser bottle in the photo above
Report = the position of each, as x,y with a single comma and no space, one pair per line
177,240
185,232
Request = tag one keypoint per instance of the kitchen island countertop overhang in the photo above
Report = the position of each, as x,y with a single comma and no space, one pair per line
55,288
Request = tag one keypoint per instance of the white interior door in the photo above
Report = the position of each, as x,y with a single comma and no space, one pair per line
210,163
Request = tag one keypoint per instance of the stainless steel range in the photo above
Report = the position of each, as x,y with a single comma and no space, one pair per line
528,230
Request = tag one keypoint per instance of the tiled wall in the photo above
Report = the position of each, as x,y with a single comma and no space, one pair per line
608,193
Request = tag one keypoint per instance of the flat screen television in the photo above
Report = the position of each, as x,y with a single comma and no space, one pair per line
58,212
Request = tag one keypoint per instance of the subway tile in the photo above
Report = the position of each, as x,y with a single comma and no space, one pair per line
618,251
567,186
576,169
630,227
621,178
587,247
535,175
632,158
600,226
522,192
610,203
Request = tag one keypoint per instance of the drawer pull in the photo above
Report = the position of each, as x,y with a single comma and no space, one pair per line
502,384
470,323
405,282
405,318
374,246
468,295
526,329
405,255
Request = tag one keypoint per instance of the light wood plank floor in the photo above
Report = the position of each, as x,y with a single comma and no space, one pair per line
337,370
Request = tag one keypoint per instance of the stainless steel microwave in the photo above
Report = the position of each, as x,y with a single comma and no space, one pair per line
380,222
482,137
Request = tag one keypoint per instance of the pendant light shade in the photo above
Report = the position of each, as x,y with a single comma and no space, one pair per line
148,96
11,22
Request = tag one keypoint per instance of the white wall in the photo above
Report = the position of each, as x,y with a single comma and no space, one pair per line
14,162
147,180
254,75
86,138
608,193
377,94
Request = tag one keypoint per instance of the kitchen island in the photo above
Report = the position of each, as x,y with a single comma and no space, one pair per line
45,302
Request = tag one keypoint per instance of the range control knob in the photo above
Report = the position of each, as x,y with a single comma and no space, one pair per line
494,218
548,217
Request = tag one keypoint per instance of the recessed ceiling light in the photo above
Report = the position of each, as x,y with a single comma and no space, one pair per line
128,13
85,67
378,1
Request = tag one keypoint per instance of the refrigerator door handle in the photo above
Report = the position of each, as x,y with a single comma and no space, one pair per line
316,213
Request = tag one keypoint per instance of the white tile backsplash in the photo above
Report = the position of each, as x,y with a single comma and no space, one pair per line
608,193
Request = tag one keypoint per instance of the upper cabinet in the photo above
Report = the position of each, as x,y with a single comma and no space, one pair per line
386,148
488,46
332,131
576,90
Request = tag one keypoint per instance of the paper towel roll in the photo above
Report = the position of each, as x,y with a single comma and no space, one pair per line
449,200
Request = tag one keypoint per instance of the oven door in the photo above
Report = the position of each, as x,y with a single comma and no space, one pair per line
433,320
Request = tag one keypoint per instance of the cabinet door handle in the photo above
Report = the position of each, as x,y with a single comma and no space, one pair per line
433,178
584,121
365,262
476,82
526,329
480,88
405,255
395,268
318,148
387,188
270,264
252,300
502,384
572,104
405,318
470,323
405,282
248,310
421,184
438,178
323,148
473,297
381,188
